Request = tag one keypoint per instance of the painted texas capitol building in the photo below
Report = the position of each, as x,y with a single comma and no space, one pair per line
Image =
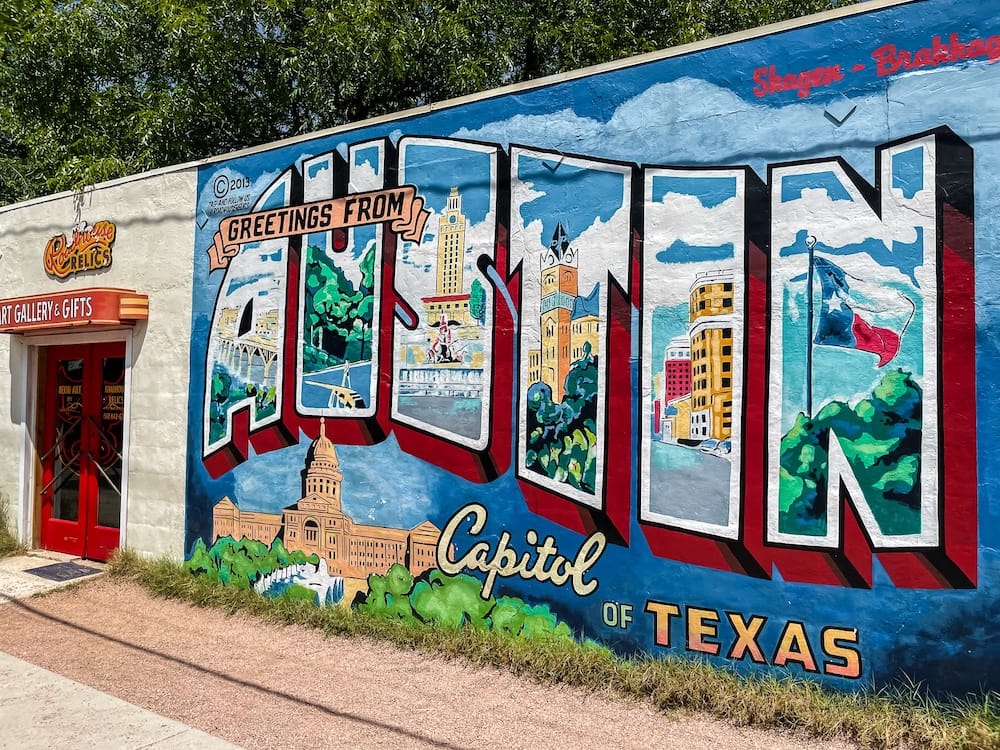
317,524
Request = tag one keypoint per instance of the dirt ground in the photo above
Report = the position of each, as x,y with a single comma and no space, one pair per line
260,685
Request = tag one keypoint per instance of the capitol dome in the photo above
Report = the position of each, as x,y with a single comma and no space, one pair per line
322,448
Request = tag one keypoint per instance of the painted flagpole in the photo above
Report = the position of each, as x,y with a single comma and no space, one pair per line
810,245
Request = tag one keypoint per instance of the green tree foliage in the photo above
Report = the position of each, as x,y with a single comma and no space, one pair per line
880,437
454,602
223,394
477,301
227,391
222,384
338,315
96,89
241,563
562,436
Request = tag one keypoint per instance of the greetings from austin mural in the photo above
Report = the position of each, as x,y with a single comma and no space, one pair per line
682,356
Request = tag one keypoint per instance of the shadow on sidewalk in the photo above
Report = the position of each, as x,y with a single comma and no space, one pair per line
401,731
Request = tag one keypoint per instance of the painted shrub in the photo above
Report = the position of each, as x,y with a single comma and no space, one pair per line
689,356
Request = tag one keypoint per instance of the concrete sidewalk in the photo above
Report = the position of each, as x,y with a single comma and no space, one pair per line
40,709
17,583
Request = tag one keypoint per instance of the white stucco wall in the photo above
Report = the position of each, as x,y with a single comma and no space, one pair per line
152,254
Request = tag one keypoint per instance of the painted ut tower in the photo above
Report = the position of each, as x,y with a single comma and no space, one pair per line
559,291
451,246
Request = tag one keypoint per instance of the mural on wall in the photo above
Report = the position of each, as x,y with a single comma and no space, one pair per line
853,278
442,373
644,356
695,291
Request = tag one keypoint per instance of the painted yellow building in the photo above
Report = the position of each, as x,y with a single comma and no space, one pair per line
316,524
454,308
227,321
676,422
267,324
711,336
451,246
534,366
584,330
450,300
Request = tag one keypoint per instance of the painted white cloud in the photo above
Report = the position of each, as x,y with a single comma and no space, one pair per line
663,127
565,128
364,178
837,222
525,241
683,217
608,241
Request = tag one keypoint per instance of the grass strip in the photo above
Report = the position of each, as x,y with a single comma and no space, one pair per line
9,544
902,717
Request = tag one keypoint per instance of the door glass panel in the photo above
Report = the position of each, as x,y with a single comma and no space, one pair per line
67,448
109,451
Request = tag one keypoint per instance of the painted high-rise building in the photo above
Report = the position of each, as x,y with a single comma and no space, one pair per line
450,301
677,369
560,282
451,246
711,340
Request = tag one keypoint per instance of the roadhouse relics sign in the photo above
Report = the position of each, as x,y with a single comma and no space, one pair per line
89,249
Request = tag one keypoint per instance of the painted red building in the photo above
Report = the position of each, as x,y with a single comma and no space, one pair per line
677,369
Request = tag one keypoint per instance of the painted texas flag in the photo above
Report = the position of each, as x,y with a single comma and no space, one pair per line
858,314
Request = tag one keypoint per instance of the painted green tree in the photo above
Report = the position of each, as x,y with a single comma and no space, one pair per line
241,563
880,436
436,598
477,301
338,314
228,390
562,436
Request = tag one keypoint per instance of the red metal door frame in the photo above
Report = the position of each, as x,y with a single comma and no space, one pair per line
78,408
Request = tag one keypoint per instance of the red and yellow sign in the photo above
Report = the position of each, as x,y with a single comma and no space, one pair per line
83,307
89,250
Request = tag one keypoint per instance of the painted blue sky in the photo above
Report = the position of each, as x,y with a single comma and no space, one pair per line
573,196
314,169
793,185
369,156
436,169
907,171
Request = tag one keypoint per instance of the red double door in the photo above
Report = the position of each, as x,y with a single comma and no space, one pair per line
82,412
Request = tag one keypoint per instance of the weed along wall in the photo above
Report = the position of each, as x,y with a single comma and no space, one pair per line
695,356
